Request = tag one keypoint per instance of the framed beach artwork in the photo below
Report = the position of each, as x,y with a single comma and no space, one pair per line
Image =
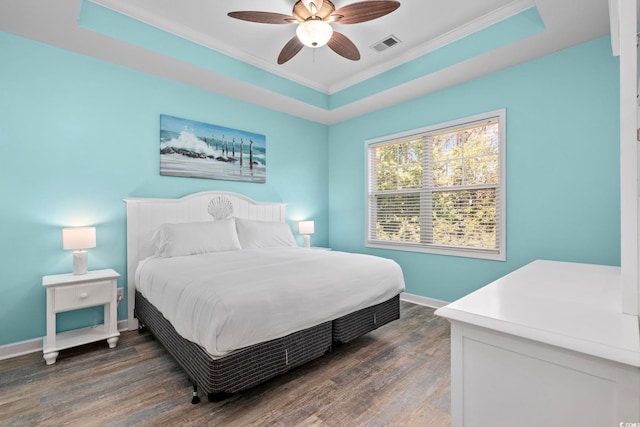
200,150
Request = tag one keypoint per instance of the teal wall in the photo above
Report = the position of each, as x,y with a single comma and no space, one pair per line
78,135
562,167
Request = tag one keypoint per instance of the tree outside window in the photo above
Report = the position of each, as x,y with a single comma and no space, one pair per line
439,189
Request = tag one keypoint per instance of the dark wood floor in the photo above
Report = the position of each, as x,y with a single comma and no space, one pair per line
395,376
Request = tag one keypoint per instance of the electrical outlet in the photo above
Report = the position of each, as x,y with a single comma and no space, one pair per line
120,294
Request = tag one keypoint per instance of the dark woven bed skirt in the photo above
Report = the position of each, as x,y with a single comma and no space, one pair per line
363,321
256,364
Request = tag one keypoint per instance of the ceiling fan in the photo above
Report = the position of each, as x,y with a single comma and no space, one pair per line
314,19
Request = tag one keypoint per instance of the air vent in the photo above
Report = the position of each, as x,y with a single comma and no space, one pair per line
386,43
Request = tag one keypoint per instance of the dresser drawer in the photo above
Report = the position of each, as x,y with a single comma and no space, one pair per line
87,295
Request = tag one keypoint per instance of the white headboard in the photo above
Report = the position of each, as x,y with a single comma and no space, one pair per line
144,216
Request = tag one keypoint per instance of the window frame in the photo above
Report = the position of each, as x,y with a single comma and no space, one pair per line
495,255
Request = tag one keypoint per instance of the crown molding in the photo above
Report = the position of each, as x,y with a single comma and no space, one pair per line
458,33
201,39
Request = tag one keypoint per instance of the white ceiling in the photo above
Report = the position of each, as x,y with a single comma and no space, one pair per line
422,26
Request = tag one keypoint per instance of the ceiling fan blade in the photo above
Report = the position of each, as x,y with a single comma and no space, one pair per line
290,50
340,44
263,17
365,11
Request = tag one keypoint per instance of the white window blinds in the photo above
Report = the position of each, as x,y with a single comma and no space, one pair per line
439,189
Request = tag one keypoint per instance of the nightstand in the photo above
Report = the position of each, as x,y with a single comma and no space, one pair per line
67,292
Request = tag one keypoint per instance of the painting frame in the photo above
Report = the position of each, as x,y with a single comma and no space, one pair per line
193,149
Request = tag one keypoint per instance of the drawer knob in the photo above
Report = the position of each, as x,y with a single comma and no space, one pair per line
84,295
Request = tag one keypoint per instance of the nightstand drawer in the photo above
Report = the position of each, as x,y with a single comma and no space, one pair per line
77,296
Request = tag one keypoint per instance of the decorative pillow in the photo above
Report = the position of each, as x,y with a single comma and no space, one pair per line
264,234
192,238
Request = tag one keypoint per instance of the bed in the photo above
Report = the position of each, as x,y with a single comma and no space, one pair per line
219,280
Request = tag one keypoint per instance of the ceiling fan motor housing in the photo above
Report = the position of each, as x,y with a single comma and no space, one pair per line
301,13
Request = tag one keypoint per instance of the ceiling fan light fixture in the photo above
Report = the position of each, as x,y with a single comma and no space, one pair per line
314,32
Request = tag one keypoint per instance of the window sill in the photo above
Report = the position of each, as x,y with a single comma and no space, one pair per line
466,253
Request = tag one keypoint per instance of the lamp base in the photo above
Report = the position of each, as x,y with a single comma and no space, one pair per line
79,262
306,240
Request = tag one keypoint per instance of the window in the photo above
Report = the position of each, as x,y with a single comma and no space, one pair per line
439,189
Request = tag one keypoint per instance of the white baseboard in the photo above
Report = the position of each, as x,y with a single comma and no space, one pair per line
8,351
427,302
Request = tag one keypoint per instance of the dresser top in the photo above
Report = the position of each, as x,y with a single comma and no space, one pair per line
70,278
568,305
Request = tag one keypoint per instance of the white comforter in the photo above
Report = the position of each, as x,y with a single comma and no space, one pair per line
225,301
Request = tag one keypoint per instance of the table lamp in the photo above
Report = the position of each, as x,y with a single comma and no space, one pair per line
78,239
306,228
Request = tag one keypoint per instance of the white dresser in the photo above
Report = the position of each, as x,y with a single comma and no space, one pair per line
546,345
67,292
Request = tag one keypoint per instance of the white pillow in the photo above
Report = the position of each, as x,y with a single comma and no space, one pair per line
192,238
264,234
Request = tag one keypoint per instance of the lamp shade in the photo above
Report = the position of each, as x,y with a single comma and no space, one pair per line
79,238
306,227
314,33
